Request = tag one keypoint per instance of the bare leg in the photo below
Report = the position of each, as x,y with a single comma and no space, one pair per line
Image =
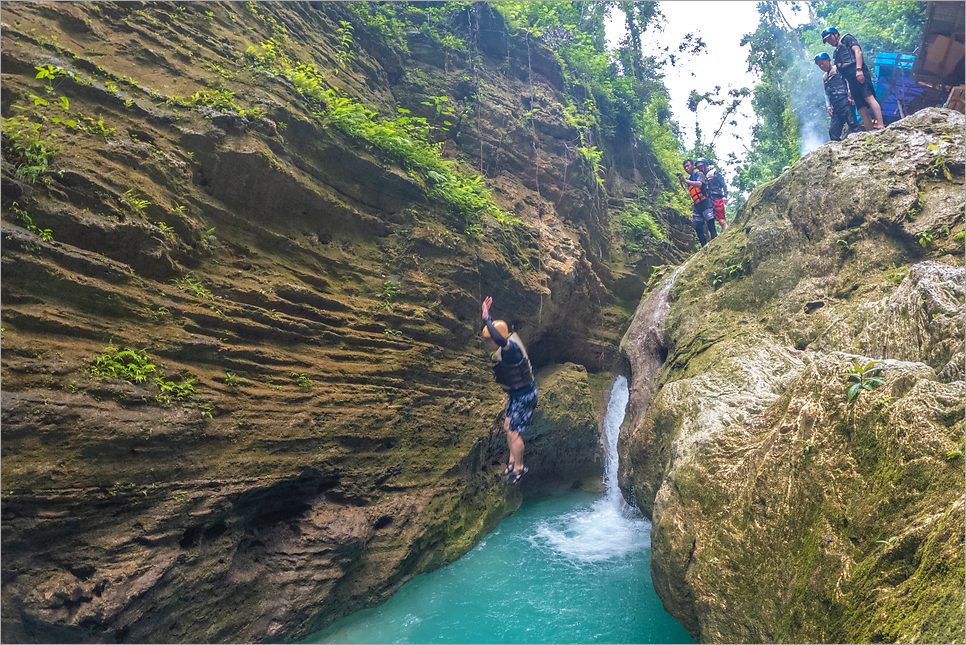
866,119
876,111
515,442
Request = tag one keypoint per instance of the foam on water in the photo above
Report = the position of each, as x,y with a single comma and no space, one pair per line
610,528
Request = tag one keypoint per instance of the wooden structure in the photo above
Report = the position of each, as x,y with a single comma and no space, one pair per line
939,65
956,100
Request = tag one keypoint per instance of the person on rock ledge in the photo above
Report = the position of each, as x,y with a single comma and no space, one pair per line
838,98
850,64
718,191
511,366
703,215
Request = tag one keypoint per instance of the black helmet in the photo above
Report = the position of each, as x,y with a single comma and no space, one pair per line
828,31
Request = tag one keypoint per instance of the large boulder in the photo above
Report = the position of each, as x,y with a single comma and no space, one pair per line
784,509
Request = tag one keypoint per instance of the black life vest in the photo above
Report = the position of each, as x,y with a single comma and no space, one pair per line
844,55
512,376
697,196
835,83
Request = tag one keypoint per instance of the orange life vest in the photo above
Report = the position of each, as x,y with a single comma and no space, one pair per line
696,195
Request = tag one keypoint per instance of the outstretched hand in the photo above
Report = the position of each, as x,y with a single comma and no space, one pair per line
486,307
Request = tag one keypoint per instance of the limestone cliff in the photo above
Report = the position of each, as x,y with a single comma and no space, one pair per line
243,393
798,493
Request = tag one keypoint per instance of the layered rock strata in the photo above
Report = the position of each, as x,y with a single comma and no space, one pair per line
325,426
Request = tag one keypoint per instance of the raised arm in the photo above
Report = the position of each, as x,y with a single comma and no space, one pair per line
494,333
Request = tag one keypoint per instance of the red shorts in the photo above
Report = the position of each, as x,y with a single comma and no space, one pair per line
719,213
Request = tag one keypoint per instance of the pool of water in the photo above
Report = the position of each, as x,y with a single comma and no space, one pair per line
568,569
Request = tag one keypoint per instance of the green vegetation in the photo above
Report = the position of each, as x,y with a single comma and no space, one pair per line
640,229
620,92
44,233
169,391
389,291
231,380
302,380
728,273
137,205
126,364
189,284
27,138
137,367
344,32
867,377
848,247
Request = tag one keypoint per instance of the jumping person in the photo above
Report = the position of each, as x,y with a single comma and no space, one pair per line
697,187
511,366
841,106
850,63
717,189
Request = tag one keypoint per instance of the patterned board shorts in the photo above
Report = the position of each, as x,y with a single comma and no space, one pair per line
520,410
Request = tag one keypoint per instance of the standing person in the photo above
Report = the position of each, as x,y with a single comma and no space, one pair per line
511,366
850,63
838,99
697,187
717,189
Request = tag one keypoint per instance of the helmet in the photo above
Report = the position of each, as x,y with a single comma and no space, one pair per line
823,56
702,160
828,31
500,327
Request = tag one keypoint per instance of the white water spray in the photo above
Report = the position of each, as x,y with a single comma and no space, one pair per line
612,429
609,528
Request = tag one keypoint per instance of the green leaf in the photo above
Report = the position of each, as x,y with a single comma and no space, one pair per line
854,391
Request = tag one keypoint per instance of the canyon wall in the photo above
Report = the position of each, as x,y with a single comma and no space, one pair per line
243,388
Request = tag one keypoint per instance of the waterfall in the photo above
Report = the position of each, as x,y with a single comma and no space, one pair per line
609,528
612,429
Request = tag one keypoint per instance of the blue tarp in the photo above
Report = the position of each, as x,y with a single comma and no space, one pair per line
894,85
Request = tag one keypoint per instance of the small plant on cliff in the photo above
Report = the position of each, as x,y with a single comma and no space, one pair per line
344,32
27,138
302,380
389,291
137,205
866,377
169,391
231,380
189,284
44,233
890,541
127,364
440,109
640,229
166,230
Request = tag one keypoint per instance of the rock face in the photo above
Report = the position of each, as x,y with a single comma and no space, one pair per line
782,510
325,426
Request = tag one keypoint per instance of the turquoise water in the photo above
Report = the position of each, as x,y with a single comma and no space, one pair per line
569,569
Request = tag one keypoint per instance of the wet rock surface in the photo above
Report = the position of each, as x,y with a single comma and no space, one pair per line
785,510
